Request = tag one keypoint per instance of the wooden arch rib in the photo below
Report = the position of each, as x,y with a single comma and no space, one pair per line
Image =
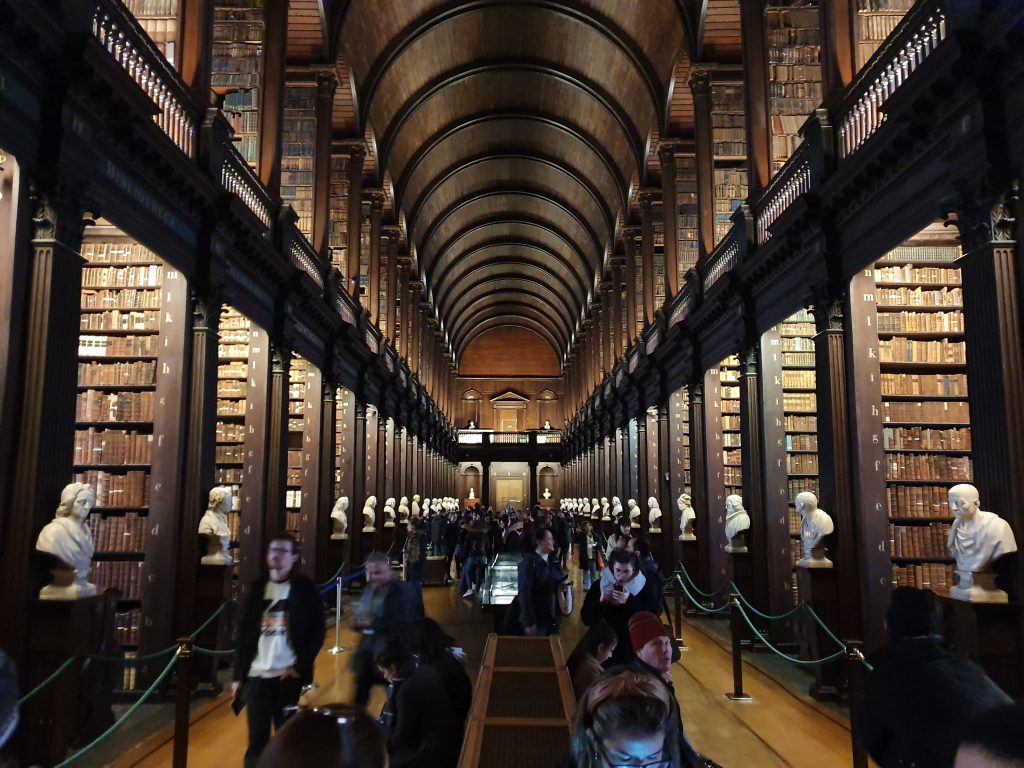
512,281
512,308
461,213
538,133
512,302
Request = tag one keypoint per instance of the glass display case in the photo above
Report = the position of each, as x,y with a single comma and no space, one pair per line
501,583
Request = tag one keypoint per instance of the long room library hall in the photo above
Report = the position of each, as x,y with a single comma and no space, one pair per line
381,382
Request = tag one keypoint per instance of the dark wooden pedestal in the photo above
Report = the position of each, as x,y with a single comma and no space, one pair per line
434,571
71,709
337,553
988,634
213,586
820,588
743,572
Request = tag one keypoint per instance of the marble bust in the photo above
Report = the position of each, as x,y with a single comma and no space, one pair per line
339,519
606,510
654,515
215,529
403,510
68,539
415,509
737,521
595,509
426,507
616,508
370,515
547,493
547,424
585,506
472,493
634,513
815,525
976,539
389,513
472,424
686,517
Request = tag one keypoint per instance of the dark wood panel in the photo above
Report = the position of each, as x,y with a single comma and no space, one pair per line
509,352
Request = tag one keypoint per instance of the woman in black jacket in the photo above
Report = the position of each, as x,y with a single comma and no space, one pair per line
621,591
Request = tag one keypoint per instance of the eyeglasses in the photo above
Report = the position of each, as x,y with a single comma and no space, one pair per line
280,551
602,755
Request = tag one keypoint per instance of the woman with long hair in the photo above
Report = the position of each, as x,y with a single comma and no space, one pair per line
594,649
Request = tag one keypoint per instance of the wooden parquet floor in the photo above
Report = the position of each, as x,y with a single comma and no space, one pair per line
776,729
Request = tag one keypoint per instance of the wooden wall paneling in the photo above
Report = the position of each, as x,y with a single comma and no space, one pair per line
643,454
274,514
647,253
165,537
755,90
373,480
326,85
629,235
360,463
664,548
316,444
700,84
871,524
838,65
632,469
195,46
712,542
776,594
257,422
376,212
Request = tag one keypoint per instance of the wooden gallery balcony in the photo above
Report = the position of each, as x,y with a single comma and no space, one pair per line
488,445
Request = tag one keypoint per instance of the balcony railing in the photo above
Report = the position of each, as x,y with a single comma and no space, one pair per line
305,258
239,179
486,437
725,256
916,37
120,35
792,180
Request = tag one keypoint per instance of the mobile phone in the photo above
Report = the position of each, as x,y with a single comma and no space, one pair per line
619,588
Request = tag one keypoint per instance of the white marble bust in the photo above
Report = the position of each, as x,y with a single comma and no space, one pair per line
370,515
976,539
634,513
547,493
472,424
215,529
415,509
616,508
606,510
585,506
435,506
595,509
389,513
547,424
472,493
339,519
815,525
403,510
653,515
686,517
426,507
69,539
737,521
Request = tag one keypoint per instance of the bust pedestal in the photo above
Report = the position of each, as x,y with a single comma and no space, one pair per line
989,634
820,588
743,574
977,588
337,553
63,628
213,588
737,544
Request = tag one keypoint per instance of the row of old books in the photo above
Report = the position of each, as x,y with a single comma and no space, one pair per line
922,275
118,346
798,379
891,298
120,320
122,575
126,298
129,373
802,464
797,485
117,491
922,466
126,626
112,446
93,405
116,252
230,433
229,454
919,541
800,402
927,439
920,322
801,442
923,576
119,533
798,359
941,412
133,276
903,350
937,384
918,501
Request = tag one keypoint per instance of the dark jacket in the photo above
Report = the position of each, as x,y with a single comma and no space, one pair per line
618,615
401,610
414,550
581,549
537,597
422,727
456,683
652,571
306,627
437,530
917,701
475,542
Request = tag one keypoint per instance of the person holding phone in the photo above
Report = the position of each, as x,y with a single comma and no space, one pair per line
621,591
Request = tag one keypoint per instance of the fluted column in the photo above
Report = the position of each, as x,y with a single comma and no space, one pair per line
670,211
391,237
629,235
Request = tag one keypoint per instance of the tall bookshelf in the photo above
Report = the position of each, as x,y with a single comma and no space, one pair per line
729,153
732,456
364,257
876,19
297,375
237,69
926,420
123,345
793,31
339,212
688,226
232,386
160,20
800,420
679,411
297,148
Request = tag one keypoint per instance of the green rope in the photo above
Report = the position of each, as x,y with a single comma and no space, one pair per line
824,626
337,573
209,621
129,661
696,602
777,652
57,673
130,711
212,652
765,616
693,584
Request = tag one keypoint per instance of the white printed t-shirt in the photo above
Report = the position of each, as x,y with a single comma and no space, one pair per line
274,652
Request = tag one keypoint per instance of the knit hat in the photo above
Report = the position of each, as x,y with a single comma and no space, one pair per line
644,626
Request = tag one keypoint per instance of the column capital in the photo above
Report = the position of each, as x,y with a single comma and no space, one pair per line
631,231
391,232
618,261
326,82
375,198
357,152
700,78
647,198
667,151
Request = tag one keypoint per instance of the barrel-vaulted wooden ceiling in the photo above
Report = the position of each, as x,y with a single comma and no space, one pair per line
512,133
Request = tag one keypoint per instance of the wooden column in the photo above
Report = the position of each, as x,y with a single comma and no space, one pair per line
392,235
643,489
647,253
755,92
277,443
45,422
359,493
326,84
258,393
618,345
404,317
376,211
372,479
629,235
670,213
275,43
325,478
669,513
315,443
838,52
414,326
608,299
195,47
700,84
356,153
385,477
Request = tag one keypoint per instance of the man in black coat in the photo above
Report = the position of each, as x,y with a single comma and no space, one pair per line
279,635
920,696
387,607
